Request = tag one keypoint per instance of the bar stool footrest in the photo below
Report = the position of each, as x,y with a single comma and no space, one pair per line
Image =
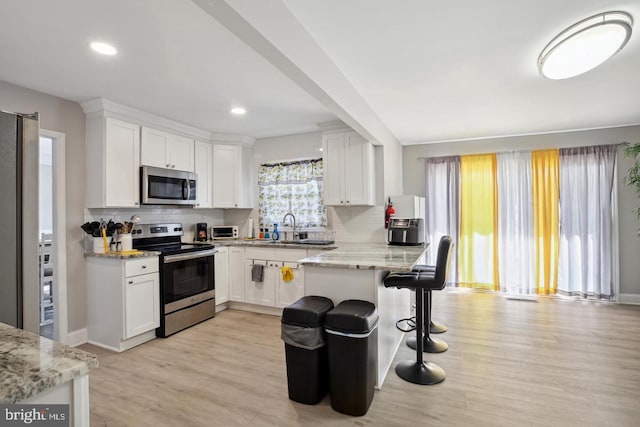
429,345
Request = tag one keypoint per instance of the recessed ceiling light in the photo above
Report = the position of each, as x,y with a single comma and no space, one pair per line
103,48
585,45
238,111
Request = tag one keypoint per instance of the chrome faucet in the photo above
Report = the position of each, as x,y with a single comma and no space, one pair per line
284,218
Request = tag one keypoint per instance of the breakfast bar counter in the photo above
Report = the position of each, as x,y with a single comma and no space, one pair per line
369,256
356,271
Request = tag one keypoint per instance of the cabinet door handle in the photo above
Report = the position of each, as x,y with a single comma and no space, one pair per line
168,165
173,166
131,282
144,266
341,201
135,203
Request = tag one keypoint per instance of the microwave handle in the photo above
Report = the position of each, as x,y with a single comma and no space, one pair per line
185,186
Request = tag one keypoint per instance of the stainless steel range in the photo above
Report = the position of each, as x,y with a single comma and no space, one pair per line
187,286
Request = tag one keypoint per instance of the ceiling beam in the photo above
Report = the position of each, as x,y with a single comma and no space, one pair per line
272,30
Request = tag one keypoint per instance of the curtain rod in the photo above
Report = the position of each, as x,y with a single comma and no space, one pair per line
522,151
289,162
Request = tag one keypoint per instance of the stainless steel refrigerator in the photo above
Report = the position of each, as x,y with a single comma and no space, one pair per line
19,278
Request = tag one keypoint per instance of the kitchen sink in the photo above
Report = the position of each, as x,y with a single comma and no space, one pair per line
303,242
315,242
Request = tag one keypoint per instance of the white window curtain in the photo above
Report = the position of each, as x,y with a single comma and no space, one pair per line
586,221
291,187
516,247
442,176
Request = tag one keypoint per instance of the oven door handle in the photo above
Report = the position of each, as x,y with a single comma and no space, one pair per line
191,255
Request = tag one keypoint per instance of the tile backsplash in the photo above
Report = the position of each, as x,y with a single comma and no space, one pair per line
351,224
188,217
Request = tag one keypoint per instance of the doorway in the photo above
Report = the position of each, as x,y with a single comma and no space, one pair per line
52,236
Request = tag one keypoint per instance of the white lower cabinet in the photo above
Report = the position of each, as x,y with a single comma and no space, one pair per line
261,293
236,274
221,269
139,315
273,291
123,298
290,292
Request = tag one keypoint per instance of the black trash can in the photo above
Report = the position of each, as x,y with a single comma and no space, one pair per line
305,348
352,336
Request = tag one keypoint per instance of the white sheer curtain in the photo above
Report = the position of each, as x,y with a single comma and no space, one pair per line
516,247
586,221
442,176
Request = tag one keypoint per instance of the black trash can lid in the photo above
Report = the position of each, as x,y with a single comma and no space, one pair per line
308,311
352,316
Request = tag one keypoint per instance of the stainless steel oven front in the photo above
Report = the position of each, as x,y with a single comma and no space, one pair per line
188,290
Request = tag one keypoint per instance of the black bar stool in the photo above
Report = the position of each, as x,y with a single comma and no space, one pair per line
434,327
429,345
419,372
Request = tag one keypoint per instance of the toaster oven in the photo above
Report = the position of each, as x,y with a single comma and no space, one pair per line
222,232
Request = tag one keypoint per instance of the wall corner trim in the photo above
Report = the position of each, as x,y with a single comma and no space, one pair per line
77,337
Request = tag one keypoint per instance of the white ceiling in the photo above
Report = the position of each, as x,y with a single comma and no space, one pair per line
427,71
173,60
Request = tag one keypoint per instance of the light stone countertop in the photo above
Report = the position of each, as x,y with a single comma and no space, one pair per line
120,255
30,364
277,244
369,256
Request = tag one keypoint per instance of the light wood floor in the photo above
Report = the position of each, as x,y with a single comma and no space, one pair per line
511,363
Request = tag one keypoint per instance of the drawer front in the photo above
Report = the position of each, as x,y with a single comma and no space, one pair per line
258,253
290,254
136,267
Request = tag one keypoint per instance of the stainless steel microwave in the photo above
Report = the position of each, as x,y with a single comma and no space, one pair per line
160,186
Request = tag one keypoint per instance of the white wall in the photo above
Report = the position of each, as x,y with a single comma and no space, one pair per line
627,199
63,116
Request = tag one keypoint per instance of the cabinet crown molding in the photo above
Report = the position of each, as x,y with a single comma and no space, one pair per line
333,126
102,107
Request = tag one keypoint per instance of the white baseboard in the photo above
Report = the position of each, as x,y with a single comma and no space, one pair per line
629,299
77,337
274,311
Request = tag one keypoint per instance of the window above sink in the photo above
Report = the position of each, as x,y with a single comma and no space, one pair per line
291,187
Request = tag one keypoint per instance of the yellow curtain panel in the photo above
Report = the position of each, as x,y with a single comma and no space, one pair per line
478,244
545,167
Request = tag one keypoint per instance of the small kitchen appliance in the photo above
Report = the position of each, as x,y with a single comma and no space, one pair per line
224,232
201,232
159,186
406,231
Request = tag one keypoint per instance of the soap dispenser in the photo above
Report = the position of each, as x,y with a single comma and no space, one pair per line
276,234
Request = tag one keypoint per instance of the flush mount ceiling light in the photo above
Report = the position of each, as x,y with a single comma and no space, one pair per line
103,48
238,111
585,45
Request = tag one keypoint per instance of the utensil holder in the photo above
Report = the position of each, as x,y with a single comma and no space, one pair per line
98,245
127,242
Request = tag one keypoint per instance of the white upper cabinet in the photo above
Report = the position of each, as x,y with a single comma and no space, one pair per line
232,184
203,165
349,175
113,163
164,150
